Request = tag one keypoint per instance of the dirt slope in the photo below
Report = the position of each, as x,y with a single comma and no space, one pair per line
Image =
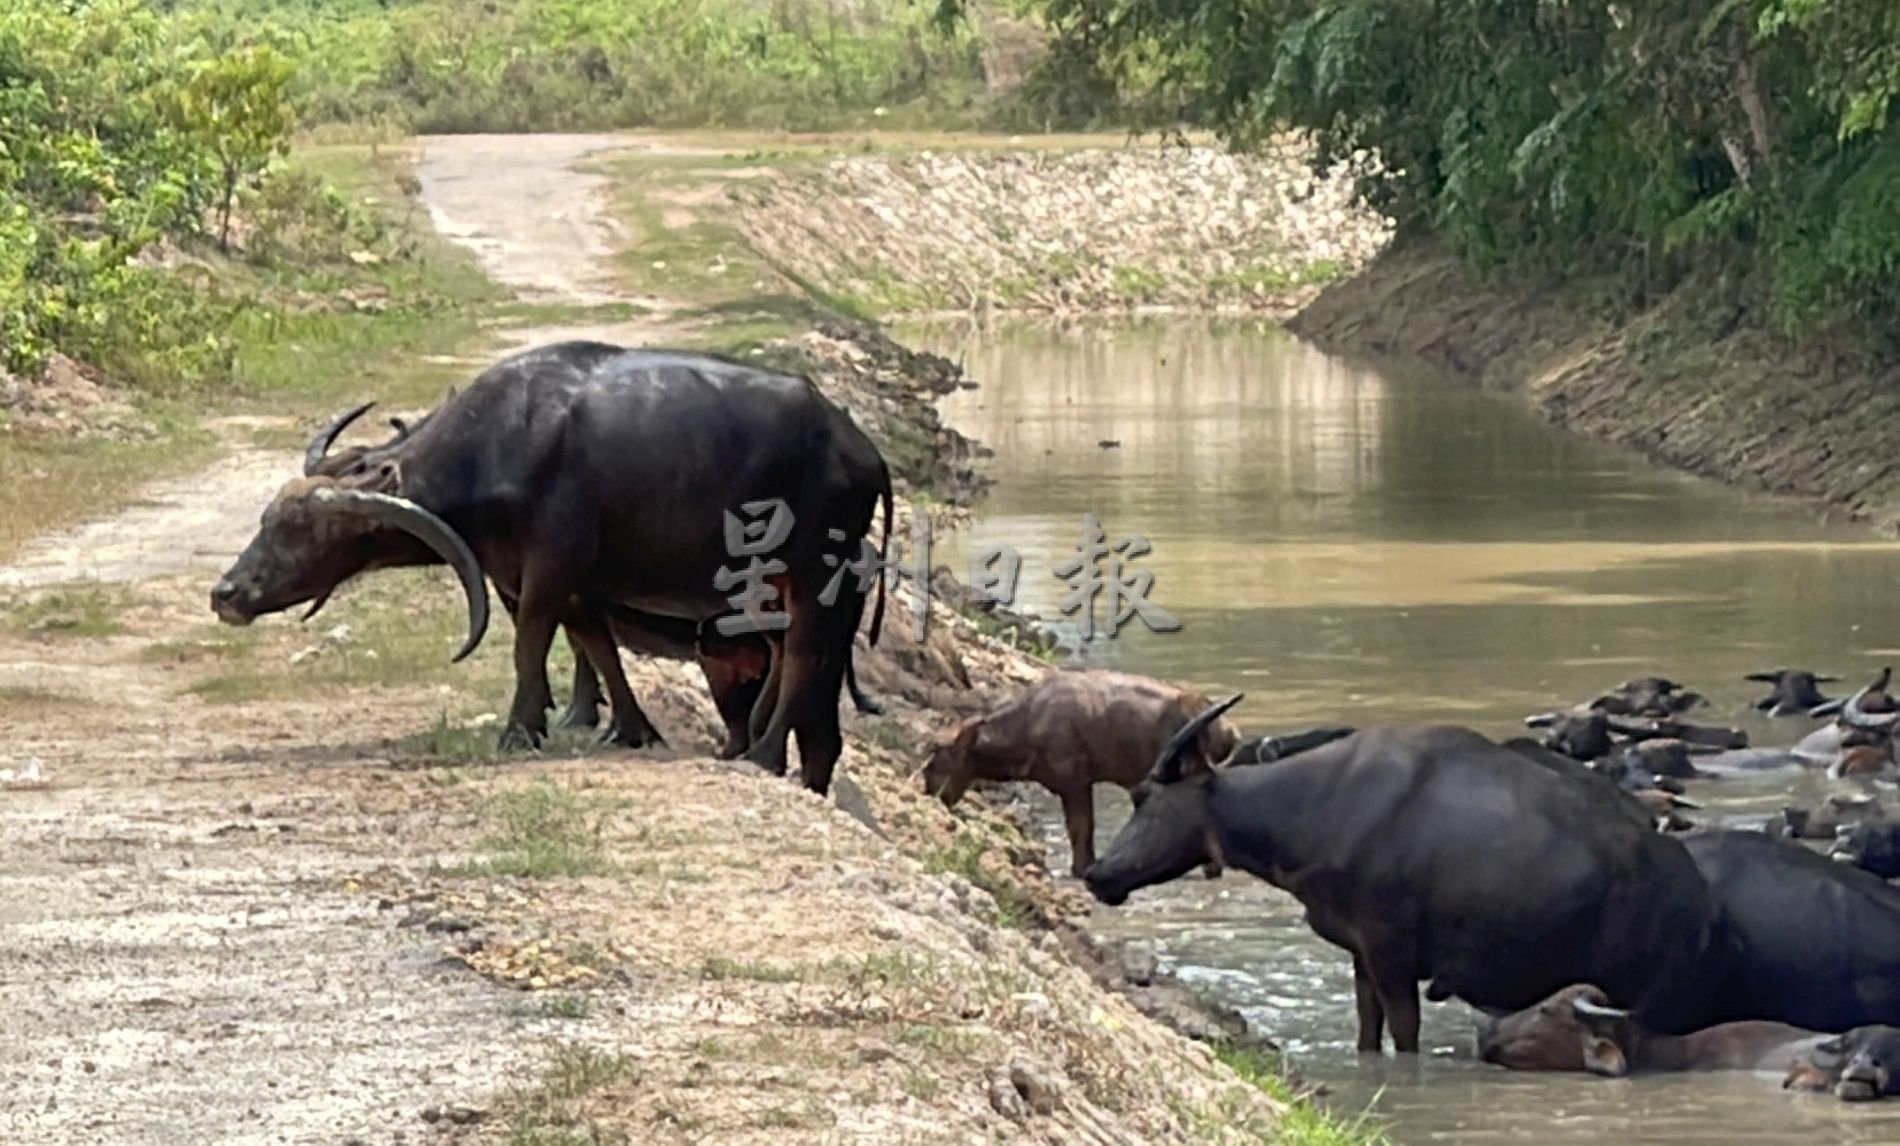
252,896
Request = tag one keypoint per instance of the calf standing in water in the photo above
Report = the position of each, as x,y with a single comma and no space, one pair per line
1077,728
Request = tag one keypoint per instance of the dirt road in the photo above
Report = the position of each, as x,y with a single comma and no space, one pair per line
237,910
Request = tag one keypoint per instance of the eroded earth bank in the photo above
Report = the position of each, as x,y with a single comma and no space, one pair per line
1688,379
272,884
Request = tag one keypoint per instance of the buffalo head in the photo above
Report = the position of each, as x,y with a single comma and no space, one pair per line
1171,830
949,771
1874,847
319,532
1858,1066
1575,1029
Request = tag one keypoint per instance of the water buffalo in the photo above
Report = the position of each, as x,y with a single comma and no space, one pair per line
1821,939
1073,730
735,666
585,478
1795,692
1432,854
1858,1066
1577,1029
1873,846
1638,792
1824,821
1267,749
1652,696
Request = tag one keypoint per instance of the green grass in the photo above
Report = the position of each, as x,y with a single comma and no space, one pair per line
542,831
720,967
567,1006
81,610
555,1110
1305,1123
964,856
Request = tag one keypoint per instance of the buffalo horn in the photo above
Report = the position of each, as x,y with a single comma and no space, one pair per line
1586,1009
320,443
1852,713
432,531
1167,767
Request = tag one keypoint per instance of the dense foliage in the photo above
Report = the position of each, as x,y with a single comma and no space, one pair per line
1753,136
137,137
100,159
517,65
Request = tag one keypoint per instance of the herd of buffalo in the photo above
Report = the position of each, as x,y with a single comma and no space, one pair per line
1551,882
1548,882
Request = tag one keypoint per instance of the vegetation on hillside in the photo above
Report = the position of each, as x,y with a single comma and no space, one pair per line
1749,142
550,65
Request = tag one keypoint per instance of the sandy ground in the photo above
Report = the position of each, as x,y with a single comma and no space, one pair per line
253,922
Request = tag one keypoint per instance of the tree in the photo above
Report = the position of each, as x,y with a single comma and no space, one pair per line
236,109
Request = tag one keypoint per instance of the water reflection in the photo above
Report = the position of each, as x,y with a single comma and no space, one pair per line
1346,544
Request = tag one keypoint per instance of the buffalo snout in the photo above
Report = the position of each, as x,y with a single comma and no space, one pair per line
226,602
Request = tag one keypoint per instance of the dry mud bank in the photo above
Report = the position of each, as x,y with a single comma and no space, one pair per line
1689,383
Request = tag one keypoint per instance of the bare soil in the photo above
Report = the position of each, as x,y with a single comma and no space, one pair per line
271,886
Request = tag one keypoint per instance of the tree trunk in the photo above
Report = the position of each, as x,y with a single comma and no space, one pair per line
224,219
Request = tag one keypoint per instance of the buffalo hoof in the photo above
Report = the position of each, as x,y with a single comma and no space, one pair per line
515,738
640,736
732,750
579,716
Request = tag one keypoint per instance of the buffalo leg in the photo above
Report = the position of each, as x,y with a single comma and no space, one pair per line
820,740
1371,1014
793,669
1397,987
736,697
1078,812
584,710
629,726
766,702
536,617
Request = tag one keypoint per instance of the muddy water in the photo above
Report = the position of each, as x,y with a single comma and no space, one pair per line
1350,544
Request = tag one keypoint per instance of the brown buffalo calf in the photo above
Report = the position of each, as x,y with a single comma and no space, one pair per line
1076,729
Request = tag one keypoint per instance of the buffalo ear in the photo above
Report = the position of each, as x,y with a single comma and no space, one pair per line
385,478
1167,767
1602,1056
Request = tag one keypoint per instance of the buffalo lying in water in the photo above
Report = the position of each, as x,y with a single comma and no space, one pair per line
1858,1066
585,479
1794,692
1432,854
1577,1029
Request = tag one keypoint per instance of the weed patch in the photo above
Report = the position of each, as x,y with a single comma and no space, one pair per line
542,831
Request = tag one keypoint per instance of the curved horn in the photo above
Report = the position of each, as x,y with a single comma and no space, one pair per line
433,532
1852,713
401,427
1767,676
1586,1009
321,441
1167,767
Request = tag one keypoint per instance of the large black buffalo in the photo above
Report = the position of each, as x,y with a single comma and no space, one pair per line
735,666
1821,938
591,482
1432,854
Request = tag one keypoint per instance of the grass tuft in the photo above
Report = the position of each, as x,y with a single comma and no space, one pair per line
543,831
